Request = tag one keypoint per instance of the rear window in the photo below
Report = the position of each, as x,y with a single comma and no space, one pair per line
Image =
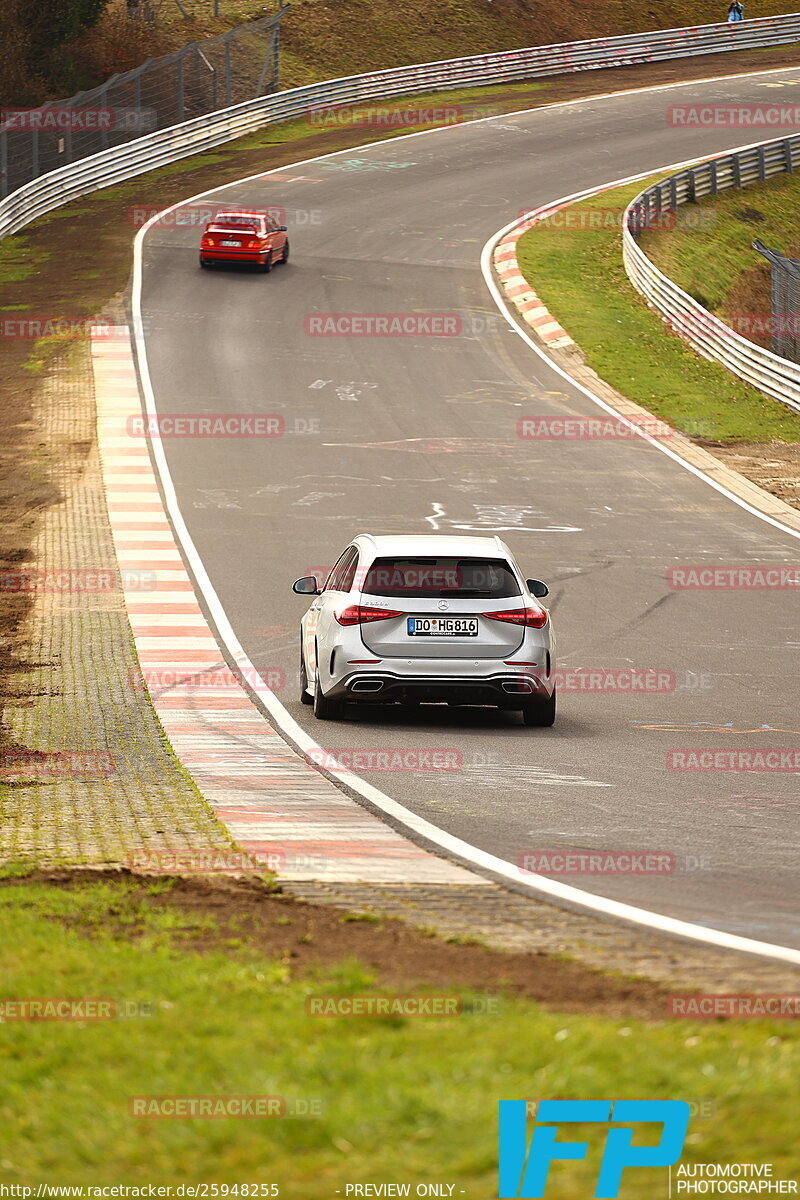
434,578
241,224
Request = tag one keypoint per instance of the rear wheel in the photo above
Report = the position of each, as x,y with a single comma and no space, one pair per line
285,255
305,697
540,713
203,263
325,709
267,267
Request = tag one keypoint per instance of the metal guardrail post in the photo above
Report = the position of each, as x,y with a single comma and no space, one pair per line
103,129
181,90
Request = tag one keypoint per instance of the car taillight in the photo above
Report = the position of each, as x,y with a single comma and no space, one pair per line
207,241
533,618
253,244
360,614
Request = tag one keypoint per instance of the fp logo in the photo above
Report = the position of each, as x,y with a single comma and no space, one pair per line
523,1172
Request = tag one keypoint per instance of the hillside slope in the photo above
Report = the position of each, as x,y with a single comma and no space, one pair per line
322,40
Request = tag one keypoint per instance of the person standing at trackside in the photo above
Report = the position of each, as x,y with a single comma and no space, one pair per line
735,12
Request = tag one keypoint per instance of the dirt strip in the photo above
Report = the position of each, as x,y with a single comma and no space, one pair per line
453,939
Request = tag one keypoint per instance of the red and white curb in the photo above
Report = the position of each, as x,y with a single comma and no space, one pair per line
276,807
519,291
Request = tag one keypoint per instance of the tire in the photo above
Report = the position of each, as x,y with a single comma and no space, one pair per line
324,709
540,714
305,698
203,263
285,256
267,267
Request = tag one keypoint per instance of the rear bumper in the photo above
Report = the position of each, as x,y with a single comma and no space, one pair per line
508,689
249,256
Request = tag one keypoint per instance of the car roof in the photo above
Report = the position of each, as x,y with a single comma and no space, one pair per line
403,545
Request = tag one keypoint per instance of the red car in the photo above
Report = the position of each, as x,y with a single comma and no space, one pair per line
244,237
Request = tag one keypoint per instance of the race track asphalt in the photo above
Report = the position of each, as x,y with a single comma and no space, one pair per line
419,434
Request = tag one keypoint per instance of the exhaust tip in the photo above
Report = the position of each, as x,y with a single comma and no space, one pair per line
367,685
518,687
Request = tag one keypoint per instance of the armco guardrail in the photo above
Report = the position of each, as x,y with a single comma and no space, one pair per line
153,150
710,336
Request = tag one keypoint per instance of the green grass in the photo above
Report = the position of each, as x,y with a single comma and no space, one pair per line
404,1099
580,277
717,263
18,261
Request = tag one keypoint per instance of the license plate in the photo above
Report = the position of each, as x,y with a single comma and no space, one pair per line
230,243
443,626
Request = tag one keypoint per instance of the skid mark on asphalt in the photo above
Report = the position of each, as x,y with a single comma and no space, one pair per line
497,518
511,778
708,727
362,164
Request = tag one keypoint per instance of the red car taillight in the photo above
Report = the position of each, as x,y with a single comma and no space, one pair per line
533,618
253,244
360,614
206,242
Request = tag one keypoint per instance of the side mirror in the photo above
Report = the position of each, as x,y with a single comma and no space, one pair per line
307,586
283,228
537,588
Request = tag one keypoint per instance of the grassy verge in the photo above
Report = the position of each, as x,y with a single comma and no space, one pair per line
579,275
400,1099
718,266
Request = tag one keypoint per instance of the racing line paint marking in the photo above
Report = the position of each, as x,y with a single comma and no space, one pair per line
398,814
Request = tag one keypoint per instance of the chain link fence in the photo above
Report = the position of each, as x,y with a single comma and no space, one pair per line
785,301
200,78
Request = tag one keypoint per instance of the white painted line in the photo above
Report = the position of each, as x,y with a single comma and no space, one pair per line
537,885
